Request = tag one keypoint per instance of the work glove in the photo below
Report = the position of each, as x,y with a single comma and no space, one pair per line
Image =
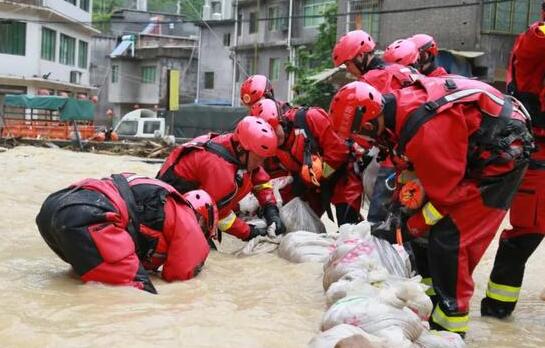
272,215
255,232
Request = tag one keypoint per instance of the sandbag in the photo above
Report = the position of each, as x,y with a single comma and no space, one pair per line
298,216
249,205
333,338
357,249
303,246
398,326
440,339
370,174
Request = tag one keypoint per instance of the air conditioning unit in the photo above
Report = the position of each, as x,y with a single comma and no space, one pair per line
75,77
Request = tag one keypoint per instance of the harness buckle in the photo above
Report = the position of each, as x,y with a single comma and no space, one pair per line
450,85
431,106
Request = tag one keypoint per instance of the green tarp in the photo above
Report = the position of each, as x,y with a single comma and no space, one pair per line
194,119
68,108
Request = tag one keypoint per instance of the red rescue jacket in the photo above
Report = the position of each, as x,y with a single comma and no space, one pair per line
526,72
389,77
170,236
447,148
194,165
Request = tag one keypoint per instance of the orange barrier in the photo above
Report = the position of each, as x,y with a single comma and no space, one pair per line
16,127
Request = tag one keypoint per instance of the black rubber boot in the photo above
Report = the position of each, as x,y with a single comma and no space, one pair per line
496,309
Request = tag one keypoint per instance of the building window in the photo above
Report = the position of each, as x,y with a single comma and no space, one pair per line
148,74
227,39
239,26
84,5
253,22
73,2
364,16
83,53
273,23
209,80
274,69
216,7
12,37
115,73
67,51
510,17
49,44
312,11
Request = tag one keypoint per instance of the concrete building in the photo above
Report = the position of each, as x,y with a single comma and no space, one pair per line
138,69
260,37
45,45
481,31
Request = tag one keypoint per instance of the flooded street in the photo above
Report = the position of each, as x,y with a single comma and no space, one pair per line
260,301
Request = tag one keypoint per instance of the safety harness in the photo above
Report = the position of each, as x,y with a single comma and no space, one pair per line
183,186
492,143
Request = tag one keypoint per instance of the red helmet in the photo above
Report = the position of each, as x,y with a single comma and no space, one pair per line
402,52
351,45
206,211
254,88
267,110
355,104
257,136
425,43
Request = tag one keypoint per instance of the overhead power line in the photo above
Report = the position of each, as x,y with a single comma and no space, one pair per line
265,19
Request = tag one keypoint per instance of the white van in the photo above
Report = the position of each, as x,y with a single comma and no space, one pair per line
140,123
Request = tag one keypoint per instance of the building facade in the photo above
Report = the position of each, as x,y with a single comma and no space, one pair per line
45,47
257,37
483,32
137,74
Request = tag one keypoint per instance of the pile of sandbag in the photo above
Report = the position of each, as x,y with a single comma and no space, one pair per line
370,286
304,246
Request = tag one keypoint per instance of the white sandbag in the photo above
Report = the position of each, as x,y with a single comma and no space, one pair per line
249,205
400,327
298,216
440,339
259,245
303,246
334,336
367,254
370,174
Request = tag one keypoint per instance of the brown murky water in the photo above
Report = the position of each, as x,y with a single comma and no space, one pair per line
261,301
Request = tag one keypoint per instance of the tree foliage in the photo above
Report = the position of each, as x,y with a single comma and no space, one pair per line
315,59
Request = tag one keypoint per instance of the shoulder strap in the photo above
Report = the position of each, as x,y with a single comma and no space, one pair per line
221,151
300,122
133,227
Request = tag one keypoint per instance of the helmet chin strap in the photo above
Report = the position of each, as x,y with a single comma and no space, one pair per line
239,151
361,62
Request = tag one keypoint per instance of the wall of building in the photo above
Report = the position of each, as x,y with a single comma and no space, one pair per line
99,74
69,10
31,64
215,57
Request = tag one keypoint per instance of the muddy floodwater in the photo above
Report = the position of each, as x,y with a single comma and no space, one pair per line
259,301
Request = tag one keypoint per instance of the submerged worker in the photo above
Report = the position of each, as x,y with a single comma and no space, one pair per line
114,230
228,167
469,146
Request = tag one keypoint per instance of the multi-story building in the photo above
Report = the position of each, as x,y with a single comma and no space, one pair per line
481,31
259,38
45,46
148,45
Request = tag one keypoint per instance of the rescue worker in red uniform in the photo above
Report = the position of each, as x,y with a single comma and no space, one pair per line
254,88
114,230
429,50
317,158
228,167
469,147
526,77
356,49
406,52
